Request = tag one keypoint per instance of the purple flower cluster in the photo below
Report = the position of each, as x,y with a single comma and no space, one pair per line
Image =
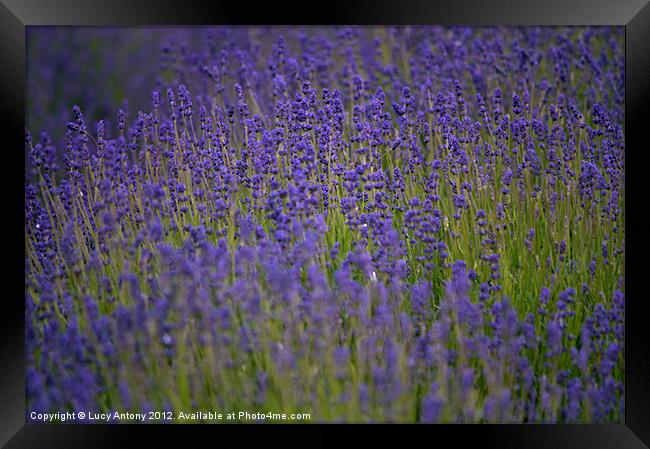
368,224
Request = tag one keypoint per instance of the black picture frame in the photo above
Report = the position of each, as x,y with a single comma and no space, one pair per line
16,15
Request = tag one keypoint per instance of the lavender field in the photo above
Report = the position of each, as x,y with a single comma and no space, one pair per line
366,224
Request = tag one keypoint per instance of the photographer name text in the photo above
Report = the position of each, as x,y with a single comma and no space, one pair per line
199,416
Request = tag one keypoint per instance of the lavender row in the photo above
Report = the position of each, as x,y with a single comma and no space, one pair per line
408,224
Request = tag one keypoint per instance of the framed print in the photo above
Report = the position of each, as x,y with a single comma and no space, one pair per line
429,216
